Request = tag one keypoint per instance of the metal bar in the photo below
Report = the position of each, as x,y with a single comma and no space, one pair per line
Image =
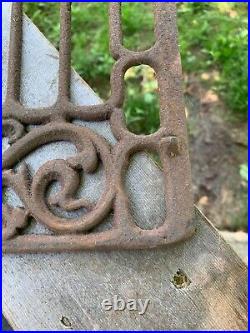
15,53
64,52
115,29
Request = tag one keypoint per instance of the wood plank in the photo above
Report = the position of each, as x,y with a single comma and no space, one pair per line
65,291
39,290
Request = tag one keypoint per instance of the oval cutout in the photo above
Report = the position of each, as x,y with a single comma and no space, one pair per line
138,25
141,105
144,183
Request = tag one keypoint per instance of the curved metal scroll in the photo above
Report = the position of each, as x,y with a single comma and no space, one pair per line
170,142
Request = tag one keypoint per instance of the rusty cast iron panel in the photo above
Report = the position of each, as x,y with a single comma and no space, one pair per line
170,142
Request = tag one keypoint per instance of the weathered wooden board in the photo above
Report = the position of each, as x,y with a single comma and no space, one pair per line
65,291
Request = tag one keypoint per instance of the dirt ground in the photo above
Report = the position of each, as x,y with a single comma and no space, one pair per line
218,146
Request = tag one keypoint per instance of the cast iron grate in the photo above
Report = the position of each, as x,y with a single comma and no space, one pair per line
170,142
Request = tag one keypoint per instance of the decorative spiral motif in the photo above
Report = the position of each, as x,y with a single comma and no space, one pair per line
90,148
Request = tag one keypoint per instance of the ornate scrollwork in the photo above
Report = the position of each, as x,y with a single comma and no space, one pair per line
169,141
90,148
15,218
12,129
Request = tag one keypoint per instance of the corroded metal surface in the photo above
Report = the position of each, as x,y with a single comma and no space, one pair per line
170,142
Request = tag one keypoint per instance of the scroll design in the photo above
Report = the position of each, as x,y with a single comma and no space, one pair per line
170,142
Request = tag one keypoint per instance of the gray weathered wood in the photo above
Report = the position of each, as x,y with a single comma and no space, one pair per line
41,290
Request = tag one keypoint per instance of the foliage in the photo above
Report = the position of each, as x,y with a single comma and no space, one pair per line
217,39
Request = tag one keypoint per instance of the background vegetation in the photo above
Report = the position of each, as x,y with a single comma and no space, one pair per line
213,40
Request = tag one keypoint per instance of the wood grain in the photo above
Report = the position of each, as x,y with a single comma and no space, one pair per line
64,291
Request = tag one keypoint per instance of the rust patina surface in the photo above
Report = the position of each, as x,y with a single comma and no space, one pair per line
170,142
